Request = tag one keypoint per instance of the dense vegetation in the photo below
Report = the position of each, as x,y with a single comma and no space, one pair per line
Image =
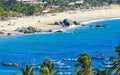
82,66
12,8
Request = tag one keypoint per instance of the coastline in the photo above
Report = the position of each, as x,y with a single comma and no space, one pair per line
46,22
98,20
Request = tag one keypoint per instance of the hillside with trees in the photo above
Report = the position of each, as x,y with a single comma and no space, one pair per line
13,8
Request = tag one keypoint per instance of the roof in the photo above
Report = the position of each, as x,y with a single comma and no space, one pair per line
72,3
25,0
45,11
79,2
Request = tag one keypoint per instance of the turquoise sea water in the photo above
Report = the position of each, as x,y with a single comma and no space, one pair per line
29,49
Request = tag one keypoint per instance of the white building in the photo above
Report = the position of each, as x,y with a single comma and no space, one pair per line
24,0
28,1
32,1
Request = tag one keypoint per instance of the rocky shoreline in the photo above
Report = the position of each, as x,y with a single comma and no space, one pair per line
46,23
28,30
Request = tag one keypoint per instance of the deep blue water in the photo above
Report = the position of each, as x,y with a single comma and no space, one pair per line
24,49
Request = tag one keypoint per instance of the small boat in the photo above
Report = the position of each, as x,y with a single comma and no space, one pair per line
62,67
37,67
107,66
59,63
65,73
107,62
10,64
97,57
70,59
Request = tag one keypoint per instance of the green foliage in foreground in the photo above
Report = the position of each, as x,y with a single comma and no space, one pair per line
118,50
84,63
28,70
46,68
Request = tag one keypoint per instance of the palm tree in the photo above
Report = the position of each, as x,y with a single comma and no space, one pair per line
44,71
47,63
46,68
117,70
103,71
117,50
116,62
116,67
28,70
84,64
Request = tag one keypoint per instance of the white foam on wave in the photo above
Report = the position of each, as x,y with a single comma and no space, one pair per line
88,22
64,29
91,21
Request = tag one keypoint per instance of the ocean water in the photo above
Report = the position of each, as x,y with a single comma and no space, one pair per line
32,49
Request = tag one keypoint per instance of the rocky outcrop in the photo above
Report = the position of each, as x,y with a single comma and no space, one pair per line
76,23
57,23
97,26
100,26
28,30
8,33
67,22
59,31
1,32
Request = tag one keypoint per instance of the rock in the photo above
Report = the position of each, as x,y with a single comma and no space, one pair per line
56,23
99,26
61,23
47,31
1,32
28,30
66,22
76,23
8,33
58,31
82,24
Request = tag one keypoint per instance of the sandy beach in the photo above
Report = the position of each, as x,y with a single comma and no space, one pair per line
45,22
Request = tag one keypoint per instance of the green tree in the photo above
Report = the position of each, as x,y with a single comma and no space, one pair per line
47,67
117,50
116,66
28,70
100,71
116,62
83,64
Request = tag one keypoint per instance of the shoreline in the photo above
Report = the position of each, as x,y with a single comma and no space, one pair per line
46,22
66,28
98,20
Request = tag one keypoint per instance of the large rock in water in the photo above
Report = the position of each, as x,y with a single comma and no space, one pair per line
28,30
100,26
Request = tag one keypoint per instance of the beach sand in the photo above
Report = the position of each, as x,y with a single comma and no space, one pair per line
45,22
